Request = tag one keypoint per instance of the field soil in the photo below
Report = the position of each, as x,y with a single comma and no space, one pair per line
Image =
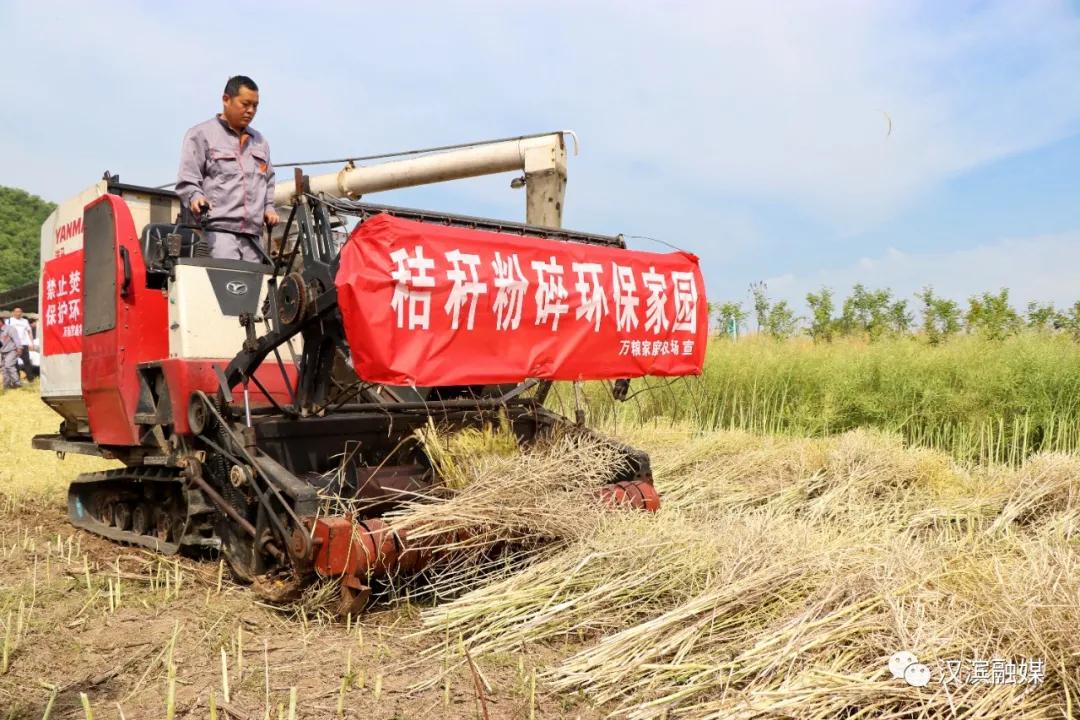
78,634
784,577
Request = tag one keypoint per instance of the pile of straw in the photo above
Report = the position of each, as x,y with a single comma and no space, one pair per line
507,510
499,508
781,575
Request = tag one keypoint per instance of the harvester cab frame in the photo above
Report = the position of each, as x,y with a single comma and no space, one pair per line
226,387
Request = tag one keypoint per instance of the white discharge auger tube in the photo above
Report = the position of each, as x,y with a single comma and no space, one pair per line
543,151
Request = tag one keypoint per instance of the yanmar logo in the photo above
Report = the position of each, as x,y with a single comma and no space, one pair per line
69,230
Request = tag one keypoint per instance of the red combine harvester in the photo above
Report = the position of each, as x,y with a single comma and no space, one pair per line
231,390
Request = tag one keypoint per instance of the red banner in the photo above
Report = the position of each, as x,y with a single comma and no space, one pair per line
61,304
426,305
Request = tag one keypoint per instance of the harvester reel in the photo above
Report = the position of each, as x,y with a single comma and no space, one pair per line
292,298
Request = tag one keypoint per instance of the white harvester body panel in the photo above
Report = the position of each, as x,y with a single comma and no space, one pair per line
62,234
204,307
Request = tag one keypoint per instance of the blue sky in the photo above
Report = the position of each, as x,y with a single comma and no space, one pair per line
753,134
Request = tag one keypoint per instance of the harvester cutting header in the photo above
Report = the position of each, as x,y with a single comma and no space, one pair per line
230,390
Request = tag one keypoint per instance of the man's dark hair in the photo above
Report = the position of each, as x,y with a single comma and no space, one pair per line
232,88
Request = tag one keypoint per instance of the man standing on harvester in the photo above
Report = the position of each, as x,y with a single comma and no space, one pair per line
225,170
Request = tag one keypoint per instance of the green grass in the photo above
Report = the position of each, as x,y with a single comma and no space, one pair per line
979,400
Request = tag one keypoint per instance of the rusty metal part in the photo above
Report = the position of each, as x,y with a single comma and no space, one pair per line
385,561
410,559
292,298
106,514
222,505
338,550
355,596
298,545
140,520
634,494
364,550
278,588
359,552
240,475
122,516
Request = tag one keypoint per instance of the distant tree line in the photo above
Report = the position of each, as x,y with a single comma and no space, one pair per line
873,314
21,215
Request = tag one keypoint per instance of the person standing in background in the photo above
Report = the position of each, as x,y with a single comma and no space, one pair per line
23,337
9,356
35,348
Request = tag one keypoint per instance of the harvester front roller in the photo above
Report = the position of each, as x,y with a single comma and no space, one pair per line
359,552
630,494
363,552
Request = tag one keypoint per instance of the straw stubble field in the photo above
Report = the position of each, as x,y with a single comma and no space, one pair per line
79,615
777,581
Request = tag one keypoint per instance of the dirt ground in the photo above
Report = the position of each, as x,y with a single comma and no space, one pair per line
79,614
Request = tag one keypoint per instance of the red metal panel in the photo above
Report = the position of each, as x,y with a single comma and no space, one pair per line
184,377
431,305
340,548
111,358
635,494
364,549
109,379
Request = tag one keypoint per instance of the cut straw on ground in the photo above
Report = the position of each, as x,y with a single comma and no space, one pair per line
782,574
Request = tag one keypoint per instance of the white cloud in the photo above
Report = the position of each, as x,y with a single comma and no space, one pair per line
697,119
753,100
1042,269
792,103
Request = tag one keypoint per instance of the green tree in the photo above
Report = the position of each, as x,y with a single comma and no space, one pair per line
781,321
992,316
731,313
1042,317
941,317
761,304
1069,321
866,312
822,322
21,215
899,319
